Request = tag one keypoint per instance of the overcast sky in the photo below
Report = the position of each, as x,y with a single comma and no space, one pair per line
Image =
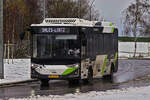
111,10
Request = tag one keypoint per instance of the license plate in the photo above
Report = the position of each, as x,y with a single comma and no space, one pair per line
53,76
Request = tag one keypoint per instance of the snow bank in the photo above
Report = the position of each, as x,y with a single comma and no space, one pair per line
18,71
126,49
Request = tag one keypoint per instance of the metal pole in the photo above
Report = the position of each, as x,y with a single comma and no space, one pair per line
1,40
44,6
91,10
79,8
8,49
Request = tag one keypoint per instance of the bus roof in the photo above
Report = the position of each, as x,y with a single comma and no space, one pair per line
108,26
72,22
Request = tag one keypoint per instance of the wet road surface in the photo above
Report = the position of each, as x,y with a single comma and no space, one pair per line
131,73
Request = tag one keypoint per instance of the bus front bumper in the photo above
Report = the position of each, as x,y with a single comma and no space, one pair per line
73,75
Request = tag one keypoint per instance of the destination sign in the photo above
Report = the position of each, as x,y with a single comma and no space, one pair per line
55,30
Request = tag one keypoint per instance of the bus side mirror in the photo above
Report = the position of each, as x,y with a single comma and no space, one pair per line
22,35
28,29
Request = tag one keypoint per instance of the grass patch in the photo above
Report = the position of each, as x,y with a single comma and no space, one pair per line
131,39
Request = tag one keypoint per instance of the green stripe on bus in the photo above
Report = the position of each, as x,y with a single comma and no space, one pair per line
104,65
115,59
110,24
112,30
68,71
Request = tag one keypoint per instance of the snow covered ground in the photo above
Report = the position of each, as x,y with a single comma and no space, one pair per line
141,93
18,71
126,49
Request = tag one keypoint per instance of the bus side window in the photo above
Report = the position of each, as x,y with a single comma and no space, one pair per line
93,45
108,43
97,44
111,43
88,45
116,40
101,43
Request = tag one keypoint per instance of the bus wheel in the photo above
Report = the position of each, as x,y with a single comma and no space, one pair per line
89,78
44,82
73,81
116,67
110,76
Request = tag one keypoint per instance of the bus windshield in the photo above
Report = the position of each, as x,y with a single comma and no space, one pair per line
59,46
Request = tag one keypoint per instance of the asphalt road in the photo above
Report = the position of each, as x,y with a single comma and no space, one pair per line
131,73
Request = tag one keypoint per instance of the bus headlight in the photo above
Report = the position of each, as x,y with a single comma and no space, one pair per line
73,65
34,66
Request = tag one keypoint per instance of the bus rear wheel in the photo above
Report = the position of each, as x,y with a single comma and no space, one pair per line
110,76
44,82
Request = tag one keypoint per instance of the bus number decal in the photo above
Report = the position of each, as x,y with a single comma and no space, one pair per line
54,30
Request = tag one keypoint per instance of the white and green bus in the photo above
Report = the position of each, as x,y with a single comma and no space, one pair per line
73,49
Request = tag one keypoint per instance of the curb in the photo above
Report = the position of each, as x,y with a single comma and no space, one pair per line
139,58
133,58
9,84
122,58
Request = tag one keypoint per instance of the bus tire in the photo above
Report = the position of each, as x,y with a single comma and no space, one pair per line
110,76
73,81
116,67
44,82
90,77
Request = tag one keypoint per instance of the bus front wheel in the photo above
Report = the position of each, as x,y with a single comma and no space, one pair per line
44,82
90,77
74,81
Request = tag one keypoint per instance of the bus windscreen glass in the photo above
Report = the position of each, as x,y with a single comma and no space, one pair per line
48,46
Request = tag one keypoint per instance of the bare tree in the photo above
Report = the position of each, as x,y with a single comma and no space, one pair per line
135,21
70,8
18,15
